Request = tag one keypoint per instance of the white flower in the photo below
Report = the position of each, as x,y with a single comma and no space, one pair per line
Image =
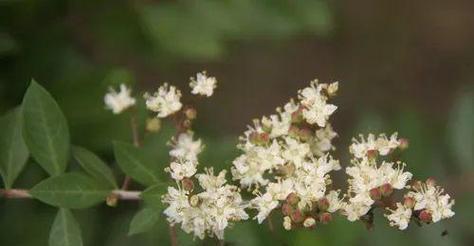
399,217
322,142
295,152
287,223
182,168
316,111
165,101
186,148
431,198
119,101
177,199
308,222
203,85
354,210
334,202
381,144
264,205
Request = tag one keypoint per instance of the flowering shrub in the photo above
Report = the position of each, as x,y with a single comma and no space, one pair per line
284,168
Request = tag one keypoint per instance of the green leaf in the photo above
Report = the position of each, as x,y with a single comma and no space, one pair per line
65,230
94,166
134,163
13,151
45,130
152,195
70,190
144,221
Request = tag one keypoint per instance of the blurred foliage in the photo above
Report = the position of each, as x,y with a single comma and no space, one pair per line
78,48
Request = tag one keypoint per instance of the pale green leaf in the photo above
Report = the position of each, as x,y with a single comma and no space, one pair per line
65,230
45,130
70,190
134,163
94,166
13,151
144,221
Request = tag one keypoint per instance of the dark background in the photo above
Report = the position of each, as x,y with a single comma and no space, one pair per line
404,66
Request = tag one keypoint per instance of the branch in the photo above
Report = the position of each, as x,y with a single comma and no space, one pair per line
24,194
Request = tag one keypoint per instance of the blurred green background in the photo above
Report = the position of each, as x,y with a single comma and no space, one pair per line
402,65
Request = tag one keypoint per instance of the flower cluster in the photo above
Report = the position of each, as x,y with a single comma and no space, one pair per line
119,101
207,210
286,162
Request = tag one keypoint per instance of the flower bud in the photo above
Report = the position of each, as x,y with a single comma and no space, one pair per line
187,184
287,170
425,216
323,204
292,199
372,154
187,123
297,116
264,137
386,189
190,113
287,223
375,194
309,222
332,89
111,200
404,144
286,209
153,125
325,218
305,134
416,185
409,202
431,182
297,216
294,131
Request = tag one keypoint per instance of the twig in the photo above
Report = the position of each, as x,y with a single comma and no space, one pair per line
174,238
24,194
137,143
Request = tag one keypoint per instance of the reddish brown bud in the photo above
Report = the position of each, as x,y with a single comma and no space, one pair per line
416,185
297,216
409,202
325,218
372,153
386,189
375,194
403,143
286,209
297,116
264,137
323,204
294,131
187,184
292,199
305,134
187,124
425,216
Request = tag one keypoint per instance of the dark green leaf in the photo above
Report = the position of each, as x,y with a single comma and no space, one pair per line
134,164
70,190
144,221
13,151
94,166
65,230
45,130
152,195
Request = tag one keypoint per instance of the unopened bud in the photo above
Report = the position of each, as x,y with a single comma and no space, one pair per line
286,209
431,182
194,200
403,144
305,134
375,194
332,89
111,200
297,216
325,218
416,185
264,137
297,116
287,223
187,124
292,199
294,131
372,154
309,222
323,204
425,216
386,189
187,184
153,125
287,170
409,202
190,113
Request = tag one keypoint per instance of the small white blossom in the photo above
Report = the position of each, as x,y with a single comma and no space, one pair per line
182,169
399,217
186,148
264,204
316,108
165,101
381,144
287,223
308,222
119,101
203,85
